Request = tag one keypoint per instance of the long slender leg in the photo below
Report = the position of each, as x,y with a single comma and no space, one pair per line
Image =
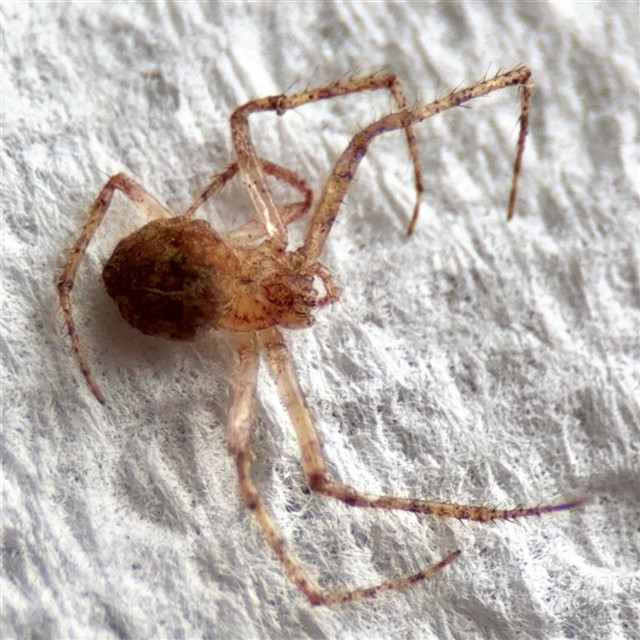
149,206
283,371
254,230
243,407
215,185
241,417
249,163
314,593
344,170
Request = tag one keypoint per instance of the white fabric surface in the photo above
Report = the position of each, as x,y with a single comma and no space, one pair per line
477,361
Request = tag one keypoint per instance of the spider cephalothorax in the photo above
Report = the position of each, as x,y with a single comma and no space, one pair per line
176,277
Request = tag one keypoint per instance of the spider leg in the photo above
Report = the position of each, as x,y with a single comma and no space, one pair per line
143,201
215,185
254,230
344,170
332,291
250,165
243,407
296,573
240,420
283,371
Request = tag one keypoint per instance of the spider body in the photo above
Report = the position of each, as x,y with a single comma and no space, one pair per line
177,277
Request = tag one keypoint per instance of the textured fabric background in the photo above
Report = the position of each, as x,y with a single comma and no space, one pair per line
477,361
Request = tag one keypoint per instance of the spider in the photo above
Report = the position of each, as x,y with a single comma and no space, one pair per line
176,278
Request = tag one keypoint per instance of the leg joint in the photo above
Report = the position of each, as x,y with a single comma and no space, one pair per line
317,481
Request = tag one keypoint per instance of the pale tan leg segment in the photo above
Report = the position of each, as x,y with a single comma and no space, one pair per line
249,163
149,206
292,566
319,480
241,417
344,170
254,229
243,407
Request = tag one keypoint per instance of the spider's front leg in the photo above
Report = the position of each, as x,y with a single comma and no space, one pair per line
251,167
241,418
146,203
344,170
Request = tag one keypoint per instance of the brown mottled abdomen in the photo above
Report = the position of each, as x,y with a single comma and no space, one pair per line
167,278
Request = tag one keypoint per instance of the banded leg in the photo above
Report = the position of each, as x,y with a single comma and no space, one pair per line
146,203
249,163
241,418
283,372
253,229
243,408
292,566
344,170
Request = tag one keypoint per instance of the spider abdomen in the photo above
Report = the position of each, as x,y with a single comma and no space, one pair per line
170,278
